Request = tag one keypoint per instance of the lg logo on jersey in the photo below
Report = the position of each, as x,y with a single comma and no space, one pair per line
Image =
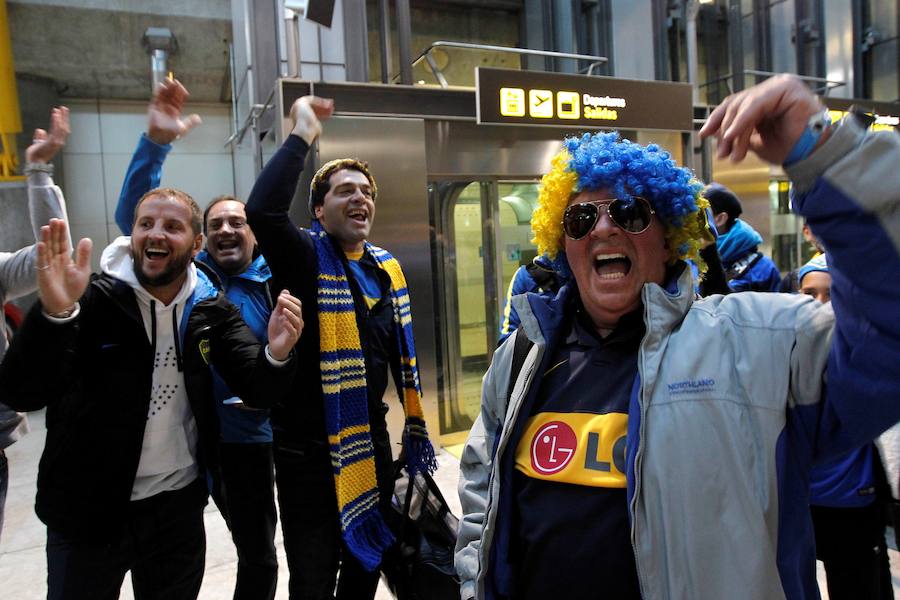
554,445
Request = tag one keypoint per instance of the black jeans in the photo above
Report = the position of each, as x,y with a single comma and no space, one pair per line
850,542
4,485
248,477
311,524
164,547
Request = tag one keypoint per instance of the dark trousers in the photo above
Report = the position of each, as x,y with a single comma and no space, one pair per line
850,542
311,524
4,485
248,480
163,545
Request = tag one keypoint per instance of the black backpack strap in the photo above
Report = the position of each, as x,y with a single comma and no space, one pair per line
545,279
738,269
521,346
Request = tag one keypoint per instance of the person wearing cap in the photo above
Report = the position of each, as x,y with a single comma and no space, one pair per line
790,283
746,267
847,498
333,458
650,444
813,279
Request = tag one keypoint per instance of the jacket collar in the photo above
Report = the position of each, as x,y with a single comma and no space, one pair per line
664,306
258,270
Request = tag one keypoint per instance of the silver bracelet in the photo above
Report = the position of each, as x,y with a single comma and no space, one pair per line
36,167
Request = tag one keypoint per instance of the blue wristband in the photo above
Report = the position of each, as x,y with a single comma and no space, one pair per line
804,146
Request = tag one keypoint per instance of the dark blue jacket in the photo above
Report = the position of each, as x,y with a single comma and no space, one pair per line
747,268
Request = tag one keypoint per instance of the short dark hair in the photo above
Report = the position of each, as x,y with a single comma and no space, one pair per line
723,200
320,185
184,197
213,202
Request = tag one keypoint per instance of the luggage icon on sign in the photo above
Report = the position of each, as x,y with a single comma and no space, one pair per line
568,105
512,102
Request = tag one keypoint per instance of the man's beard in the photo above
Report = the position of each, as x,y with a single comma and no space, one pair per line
176,268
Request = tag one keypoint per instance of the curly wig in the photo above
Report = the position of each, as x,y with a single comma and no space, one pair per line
604,161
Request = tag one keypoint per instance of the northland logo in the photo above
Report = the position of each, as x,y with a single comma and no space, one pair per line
692,386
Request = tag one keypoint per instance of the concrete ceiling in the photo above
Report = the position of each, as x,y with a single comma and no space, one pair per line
92,48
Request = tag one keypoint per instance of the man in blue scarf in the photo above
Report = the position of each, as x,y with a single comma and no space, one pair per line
746,267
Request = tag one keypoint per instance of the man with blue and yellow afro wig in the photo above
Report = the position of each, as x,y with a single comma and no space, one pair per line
603,161
635,441
624,215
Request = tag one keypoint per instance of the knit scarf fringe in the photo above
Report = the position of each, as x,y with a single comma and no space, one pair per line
344,389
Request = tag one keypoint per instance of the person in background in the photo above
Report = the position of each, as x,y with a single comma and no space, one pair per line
247,496
746,267
18,269
889,449
848,498
539,276
790,283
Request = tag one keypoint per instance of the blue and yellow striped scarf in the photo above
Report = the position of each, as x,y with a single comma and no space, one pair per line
346,404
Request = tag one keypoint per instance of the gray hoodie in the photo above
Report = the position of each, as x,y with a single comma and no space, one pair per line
18,277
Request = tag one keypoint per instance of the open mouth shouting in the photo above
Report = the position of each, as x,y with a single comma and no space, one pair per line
611,267
359,215
227,244
155,255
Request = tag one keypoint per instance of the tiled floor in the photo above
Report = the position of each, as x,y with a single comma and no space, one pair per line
23,565
23,562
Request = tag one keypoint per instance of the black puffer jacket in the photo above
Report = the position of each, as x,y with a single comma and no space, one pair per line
94,376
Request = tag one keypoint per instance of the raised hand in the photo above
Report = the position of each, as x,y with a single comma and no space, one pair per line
767,118
44,145
285,325
61,281
307,115
164,121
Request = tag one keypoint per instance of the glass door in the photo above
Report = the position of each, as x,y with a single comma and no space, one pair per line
482,233
517,201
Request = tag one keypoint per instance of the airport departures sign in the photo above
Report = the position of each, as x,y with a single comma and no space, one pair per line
510,97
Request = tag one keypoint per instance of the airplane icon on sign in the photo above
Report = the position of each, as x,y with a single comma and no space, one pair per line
540,104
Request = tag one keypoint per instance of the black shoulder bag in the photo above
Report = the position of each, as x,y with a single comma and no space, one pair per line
420,566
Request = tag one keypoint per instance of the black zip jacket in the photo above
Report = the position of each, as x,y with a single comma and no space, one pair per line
292,257
94,375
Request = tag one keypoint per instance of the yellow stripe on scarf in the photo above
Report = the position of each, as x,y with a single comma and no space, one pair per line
348,431
338,331
354,480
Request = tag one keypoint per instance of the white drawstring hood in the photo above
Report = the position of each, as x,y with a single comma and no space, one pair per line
169,452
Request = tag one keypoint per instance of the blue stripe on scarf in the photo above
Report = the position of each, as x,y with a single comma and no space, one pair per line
362,524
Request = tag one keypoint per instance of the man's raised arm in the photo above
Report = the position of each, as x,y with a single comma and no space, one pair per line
847,186
164,125
270,199
45,202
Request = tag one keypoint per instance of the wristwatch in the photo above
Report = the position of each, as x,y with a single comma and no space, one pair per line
815,127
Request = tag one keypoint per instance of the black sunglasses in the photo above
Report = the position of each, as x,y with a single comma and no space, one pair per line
632,214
